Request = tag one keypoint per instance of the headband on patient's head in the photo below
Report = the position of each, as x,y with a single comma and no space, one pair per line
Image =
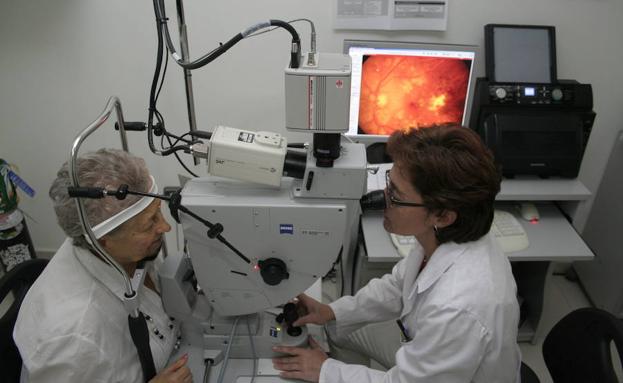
118,219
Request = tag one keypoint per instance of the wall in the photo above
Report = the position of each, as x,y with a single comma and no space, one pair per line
62,59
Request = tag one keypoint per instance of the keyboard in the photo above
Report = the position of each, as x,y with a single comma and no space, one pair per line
509,232
402,243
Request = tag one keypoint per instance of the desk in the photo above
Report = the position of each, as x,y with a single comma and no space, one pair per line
553,239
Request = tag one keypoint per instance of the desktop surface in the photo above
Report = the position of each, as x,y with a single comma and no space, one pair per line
506,229
551,239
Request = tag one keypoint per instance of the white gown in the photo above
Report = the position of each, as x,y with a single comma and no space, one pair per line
460,313
72,326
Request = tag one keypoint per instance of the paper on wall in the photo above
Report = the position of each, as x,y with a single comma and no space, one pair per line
391,14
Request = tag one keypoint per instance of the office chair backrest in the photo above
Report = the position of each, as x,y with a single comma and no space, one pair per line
18,280
577,349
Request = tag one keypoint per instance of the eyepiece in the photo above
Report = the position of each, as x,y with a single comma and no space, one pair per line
374,200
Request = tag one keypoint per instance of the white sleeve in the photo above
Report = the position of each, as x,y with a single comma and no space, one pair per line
379,300
69,359
448,347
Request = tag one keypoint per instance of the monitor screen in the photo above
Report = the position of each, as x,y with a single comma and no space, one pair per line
398,86
520,53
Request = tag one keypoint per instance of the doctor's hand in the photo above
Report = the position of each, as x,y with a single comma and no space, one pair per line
312,311
177,372
303,363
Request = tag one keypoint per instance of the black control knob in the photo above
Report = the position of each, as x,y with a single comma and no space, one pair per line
500,93
289,313
290,316
294,331
273,271
557,94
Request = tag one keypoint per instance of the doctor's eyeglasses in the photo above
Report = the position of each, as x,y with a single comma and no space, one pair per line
392,198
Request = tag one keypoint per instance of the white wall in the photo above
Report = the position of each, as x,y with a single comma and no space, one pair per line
62,59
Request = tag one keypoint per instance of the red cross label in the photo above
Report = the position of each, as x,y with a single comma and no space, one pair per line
339,83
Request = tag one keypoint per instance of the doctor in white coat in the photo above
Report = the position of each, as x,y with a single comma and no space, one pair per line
448,311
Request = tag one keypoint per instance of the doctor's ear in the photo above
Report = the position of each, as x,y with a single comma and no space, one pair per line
445,218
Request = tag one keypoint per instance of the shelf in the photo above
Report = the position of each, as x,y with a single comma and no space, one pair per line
538,189
551,239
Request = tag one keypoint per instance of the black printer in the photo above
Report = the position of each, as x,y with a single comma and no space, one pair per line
534,123
536,129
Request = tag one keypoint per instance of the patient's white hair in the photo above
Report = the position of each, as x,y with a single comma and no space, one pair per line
108,168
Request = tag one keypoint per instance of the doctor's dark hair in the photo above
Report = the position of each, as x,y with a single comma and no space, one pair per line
453,170
107,168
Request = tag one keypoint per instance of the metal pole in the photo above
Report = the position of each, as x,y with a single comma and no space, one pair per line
113,103
188,82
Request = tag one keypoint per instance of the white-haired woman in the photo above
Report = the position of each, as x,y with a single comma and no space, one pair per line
72,325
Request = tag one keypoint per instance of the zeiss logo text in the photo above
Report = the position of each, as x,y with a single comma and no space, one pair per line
286,228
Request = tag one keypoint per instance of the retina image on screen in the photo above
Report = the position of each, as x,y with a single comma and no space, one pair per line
406,85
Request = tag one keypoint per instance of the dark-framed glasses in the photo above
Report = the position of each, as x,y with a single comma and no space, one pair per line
392,197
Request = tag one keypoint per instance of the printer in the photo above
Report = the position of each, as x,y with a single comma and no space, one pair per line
535,129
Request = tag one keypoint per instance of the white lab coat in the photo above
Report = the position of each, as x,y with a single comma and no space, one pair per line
72,326
460,312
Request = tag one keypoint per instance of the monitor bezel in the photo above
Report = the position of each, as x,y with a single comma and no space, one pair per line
477,70
490,49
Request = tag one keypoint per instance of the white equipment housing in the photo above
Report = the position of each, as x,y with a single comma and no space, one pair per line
303,226
245,155
262,223
318,94
305,223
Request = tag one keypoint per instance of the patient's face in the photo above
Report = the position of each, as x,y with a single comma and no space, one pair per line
139,238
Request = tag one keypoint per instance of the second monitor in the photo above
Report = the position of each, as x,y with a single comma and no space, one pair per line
400,85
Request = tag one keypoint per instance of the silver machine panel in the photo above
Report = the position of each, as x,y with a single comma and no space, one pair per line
262,223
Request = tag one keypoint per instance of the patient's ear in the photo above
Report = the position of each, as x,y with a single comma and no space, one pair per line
104,241
108,241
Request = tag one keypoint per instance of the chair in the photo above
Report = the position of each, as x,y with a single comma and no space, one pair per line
527,375
19,279
577,348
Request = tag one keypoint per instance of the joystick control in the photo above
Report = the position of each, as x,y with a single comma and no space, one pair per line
289,316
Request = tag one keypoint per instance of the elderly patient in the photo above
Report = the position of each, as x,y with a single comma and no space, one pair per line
72,325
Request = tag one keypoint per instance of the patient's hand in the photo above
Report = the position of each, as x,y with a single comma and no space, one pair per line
312,311
177,372
303,363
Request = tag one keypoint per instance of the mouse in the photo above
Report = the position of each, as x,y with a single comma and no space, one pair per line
528,211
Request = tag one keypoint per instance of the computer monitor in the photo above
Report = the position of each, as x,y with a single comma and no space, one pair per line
401,85
520,53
